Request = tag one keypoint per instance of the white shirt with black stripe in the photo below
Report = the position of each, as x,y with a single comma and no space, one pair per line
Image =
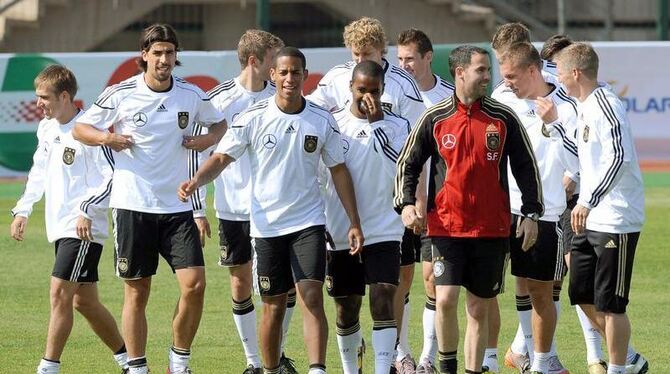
611,181
370,151
148,173
284,153
232,188
75,180
401,94
553,156
442,90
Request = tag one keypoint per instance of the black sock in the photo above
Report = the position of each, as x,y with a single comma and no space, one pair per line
121,350
447,363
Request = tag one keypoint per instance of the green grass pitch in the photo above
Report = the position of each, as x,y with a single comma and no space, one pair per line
24,305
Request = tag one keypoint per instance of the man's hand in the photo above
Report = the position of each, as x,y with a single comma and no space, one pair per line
18,227
84,231
546,109
356,240
198,142
372,108
569,186
412,219
203,229
527,228
186,189
118,142
578,218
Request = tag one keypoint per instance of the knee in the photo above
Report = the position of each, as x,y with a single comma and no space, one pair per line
194,289
312,296
381,302
478,310
137,293
83,304
348,311
60,297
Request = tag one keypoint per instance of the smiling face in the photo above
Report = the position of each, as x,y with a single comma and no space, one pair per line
412,62
289,76
517,78
362,84
367,53
50,103
567,77
161,59
476,77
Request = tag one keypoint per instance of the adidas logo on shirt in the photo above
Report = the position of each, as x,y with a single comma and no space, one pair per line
290,129
531,113
362,134
57,140
162,108
610,244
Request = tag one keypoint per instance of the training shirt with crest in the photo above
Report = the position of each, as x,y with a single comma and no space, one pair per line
284,153
401,94
370,152
75,180
442,90
148,173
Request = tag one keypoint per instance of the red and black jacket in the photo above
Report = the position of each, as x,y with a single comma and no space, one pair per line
469,147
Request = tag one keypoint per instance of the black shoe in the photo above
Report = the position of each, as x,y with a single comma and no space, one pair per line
287,365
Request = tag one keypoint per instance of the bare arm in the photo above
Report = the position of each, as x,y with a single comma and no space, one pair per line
201,142
345,190
207,173
89,135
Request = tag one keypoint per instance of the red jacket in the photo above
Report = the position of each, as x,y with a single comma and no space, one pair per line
469,147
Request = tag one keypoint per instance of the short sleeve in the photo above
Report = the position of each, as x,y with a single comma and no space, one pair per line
207,114
236,140
332,153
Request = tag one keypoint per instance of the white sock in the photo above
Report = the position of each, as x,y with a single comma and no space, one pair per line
592,338
519,342
429,336
48,367
179,359
540,362
139,370
491,359
383,344
290,306
403,342
244,316
553,350
138,365
122,360
348,341
525,320
616,369
630,355
316,371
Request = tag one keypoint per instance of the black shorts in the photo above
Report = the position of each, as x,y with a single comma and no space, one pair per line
426,249
476,264
140,237
544,260
601,267
348,275
76,260
285,260
234,243
410,248
566,225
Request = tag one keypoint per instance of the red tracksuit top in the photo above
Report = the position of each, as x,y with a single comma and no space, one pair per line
469,147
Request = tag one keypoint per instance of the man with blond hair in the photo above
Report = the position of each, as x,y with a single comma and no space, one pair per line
366,39
609,214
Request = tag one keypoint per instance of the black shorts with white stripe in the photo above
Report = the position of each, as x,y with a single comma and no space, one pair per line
544,260
601,267
76,260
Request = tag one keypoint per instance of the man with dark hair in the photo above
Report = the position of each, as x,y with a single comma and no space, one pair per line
286,137
75,181
468,207
553,45
152,115
415,55
372,139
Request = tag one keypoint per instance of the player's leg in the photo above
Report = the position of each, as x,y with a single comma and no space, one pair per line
522,345
490,361
285,362
476,332
60,322
235,253
308,263
381,269
411,243
429,351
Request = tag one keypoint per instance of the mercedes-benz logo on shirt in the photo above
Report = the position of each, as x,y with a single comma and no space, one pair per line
449,141
269,141
140,119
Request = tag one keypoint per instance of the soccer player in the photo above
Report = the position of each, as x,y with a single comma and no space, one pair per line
415,55
366,39
256,51
286,136
75,180
535,103
372,140
150,114
610,209
468,216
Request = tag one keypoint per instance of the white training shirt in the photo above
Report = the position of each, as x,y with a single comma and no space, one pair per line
442,90
74,178
284,153
611,182
553,157
148,173
401,94
370,151
232,188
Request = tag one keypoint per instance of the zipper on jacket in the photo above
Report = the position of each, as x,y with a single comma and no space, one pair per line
468,141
